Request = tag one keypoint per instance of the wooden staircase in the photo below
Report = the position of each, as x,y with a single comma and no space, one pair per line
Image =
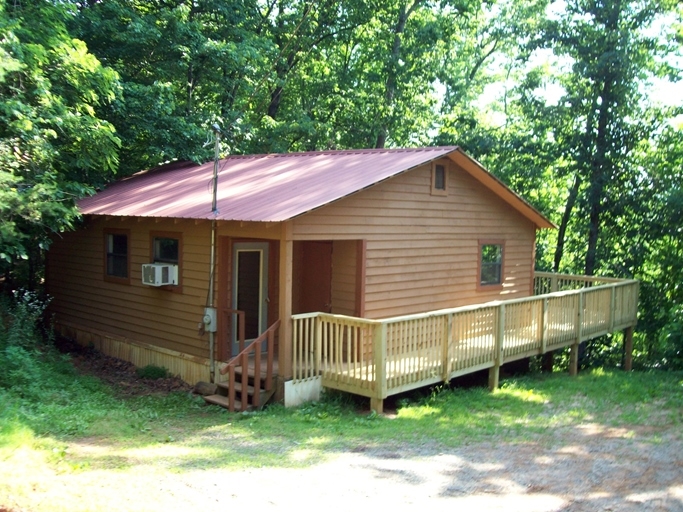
222,396
250,376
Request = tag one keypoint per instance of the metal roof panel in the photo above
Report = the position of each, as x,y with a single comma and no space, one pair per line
276,187
266,188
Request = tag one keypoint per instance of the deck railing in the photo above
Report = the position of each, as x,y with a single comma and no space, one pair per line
378,358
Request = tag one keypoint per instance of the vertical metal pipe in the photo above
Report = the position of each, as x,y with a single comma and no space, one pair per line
212,334
212,263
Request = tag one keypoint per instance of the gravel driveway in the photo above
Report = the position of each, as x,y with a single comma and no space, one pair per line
583,468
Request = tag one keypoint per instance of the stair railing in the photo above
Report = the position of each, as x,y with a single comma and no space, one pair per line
241,360
240,326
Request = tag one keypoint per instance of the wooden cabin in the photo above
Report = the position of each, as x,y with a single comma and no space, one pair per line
363,233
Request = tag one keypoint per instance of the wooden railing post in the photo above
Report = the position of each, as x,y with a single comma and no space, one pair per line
448,330
494,371
574,351
612,306
553,284
295,348
318,345
256,399
241,327
244,363
544,327
379,347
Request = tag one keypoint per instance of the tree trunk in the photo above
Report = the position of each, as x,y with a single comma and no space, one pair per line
600,173
562,231
392,70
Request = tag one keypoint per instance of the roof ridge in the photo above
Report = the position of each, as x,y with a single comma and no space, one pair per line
343,151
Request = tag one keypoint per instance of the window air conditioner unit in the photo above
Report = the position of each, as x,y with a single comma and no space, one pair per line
159,274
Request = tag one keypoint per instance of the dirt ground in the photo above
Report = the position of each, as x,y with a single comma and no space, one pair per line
585,468
120,374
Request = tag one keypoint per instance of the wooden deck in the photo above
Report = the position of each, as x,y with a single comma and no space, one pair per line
379,358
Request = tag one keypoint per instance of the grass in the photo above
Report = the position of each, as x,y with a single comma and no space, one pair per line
55,454
179,432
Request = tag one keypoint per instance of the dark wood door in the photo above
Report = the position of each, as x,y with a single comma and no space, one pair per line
316,277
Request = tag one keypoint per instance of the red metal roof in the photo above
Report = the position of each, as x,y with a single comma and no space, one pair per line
262,188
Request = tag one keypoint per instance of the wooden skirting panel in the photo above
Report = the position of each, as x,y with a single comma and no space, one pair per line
190,369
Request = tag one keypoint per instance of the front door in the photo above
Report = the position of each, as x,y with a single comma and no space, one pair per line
250,289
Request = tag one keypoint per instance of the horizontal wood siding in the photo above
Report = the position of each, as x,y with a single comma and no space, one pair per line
154,316
423,250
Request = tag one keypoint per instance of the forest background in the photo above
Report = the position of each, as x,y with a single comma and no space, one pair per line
575,104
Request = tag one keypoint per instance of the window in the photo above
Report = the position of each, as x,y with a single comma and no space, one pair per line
167,247
439,180
117,256
491,264
166,250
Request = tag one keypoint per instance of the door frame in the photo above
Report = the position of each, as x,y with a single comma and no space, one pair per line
263,249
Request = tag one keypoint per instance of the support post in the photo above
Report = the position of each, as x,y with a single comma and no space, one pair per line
494,377
548,362
379,349
628,349
574,360
285,340
494,371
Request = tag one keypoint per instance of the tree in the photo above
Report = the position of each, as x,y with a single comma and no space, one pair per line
183,64
54,149
611,55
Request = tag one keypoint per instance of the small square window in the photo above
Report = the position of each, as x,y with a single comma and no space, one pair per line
166,250
116,255
491,264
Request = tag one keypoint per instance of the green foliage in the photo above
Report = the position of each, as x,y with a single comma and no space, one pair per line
24,356
153,372
38,385
671,339
54,149
602,159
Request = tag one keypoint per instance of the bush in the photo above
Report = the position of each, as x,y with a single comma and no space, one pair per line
671,338
25,352
153,372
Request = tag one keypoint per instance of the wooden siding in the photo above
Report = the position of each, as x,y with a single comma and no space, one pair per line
154,316
134,313
423,250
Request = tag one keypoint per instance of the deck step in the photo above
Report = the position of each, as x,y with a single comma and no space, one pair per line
224,389
221,396
223,401
250,375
